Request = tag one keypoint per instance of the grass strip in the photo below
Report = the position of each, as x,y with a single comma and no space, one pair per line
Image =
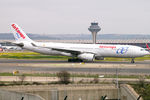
33,55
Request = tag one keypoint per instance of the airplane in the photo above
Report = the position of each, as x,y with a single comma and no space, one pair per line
1,49
78,52
11,48
147,47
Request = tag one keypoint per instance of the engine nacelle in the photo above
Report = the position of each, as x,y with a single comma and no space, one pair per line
99,58
87,56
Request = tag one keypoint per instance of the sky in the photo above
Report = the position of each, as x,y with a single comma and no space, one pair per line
75,16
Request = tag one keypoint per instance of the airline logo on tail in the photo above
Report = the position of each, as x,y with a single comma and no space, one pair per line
147,46
19,33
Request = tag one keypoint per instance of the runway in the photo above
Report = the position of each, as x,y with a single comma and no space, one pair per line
65,61
101,67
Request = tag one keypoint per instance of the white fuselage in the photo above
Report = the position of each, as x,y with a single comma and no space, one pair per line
102,50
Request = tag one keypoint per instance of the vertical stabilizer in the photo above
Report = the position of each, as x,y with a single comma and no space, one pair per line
147,46
18,33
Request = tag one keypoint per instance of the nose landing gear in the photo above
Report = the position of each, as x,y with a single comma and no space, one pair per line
132,60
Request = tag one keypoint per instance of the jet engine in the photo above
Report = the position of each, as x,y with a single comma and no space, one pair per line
86,56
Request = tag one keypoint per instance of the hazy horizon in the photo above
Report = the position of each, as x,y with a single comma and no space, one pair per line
74,17
9,36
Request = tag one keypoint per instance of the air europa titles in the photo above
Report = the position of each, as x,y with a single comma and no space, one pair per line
18,31
101,46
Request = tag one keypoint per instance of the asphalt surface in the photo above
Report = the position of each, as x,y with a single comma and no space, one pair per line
9,65
61,61
78,70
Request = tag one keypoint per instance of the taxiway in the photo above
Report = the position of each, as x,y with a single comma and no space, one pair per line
99,67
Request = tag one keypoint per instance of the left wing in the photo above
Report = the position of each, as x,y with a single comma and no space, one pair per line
74,52
66,50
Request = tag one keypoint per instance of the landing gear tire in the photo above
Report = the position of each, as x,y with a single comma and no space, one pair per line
132,61
75,60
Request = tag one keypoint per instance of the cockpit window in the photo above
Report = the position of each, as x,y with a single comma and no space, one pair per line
142,49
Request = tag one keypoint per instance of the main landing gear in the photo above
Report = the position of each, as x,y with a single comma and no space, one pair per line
75,60
132,60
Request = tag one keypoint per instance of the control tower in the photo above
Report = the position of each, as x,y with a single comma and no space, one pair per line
94,28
